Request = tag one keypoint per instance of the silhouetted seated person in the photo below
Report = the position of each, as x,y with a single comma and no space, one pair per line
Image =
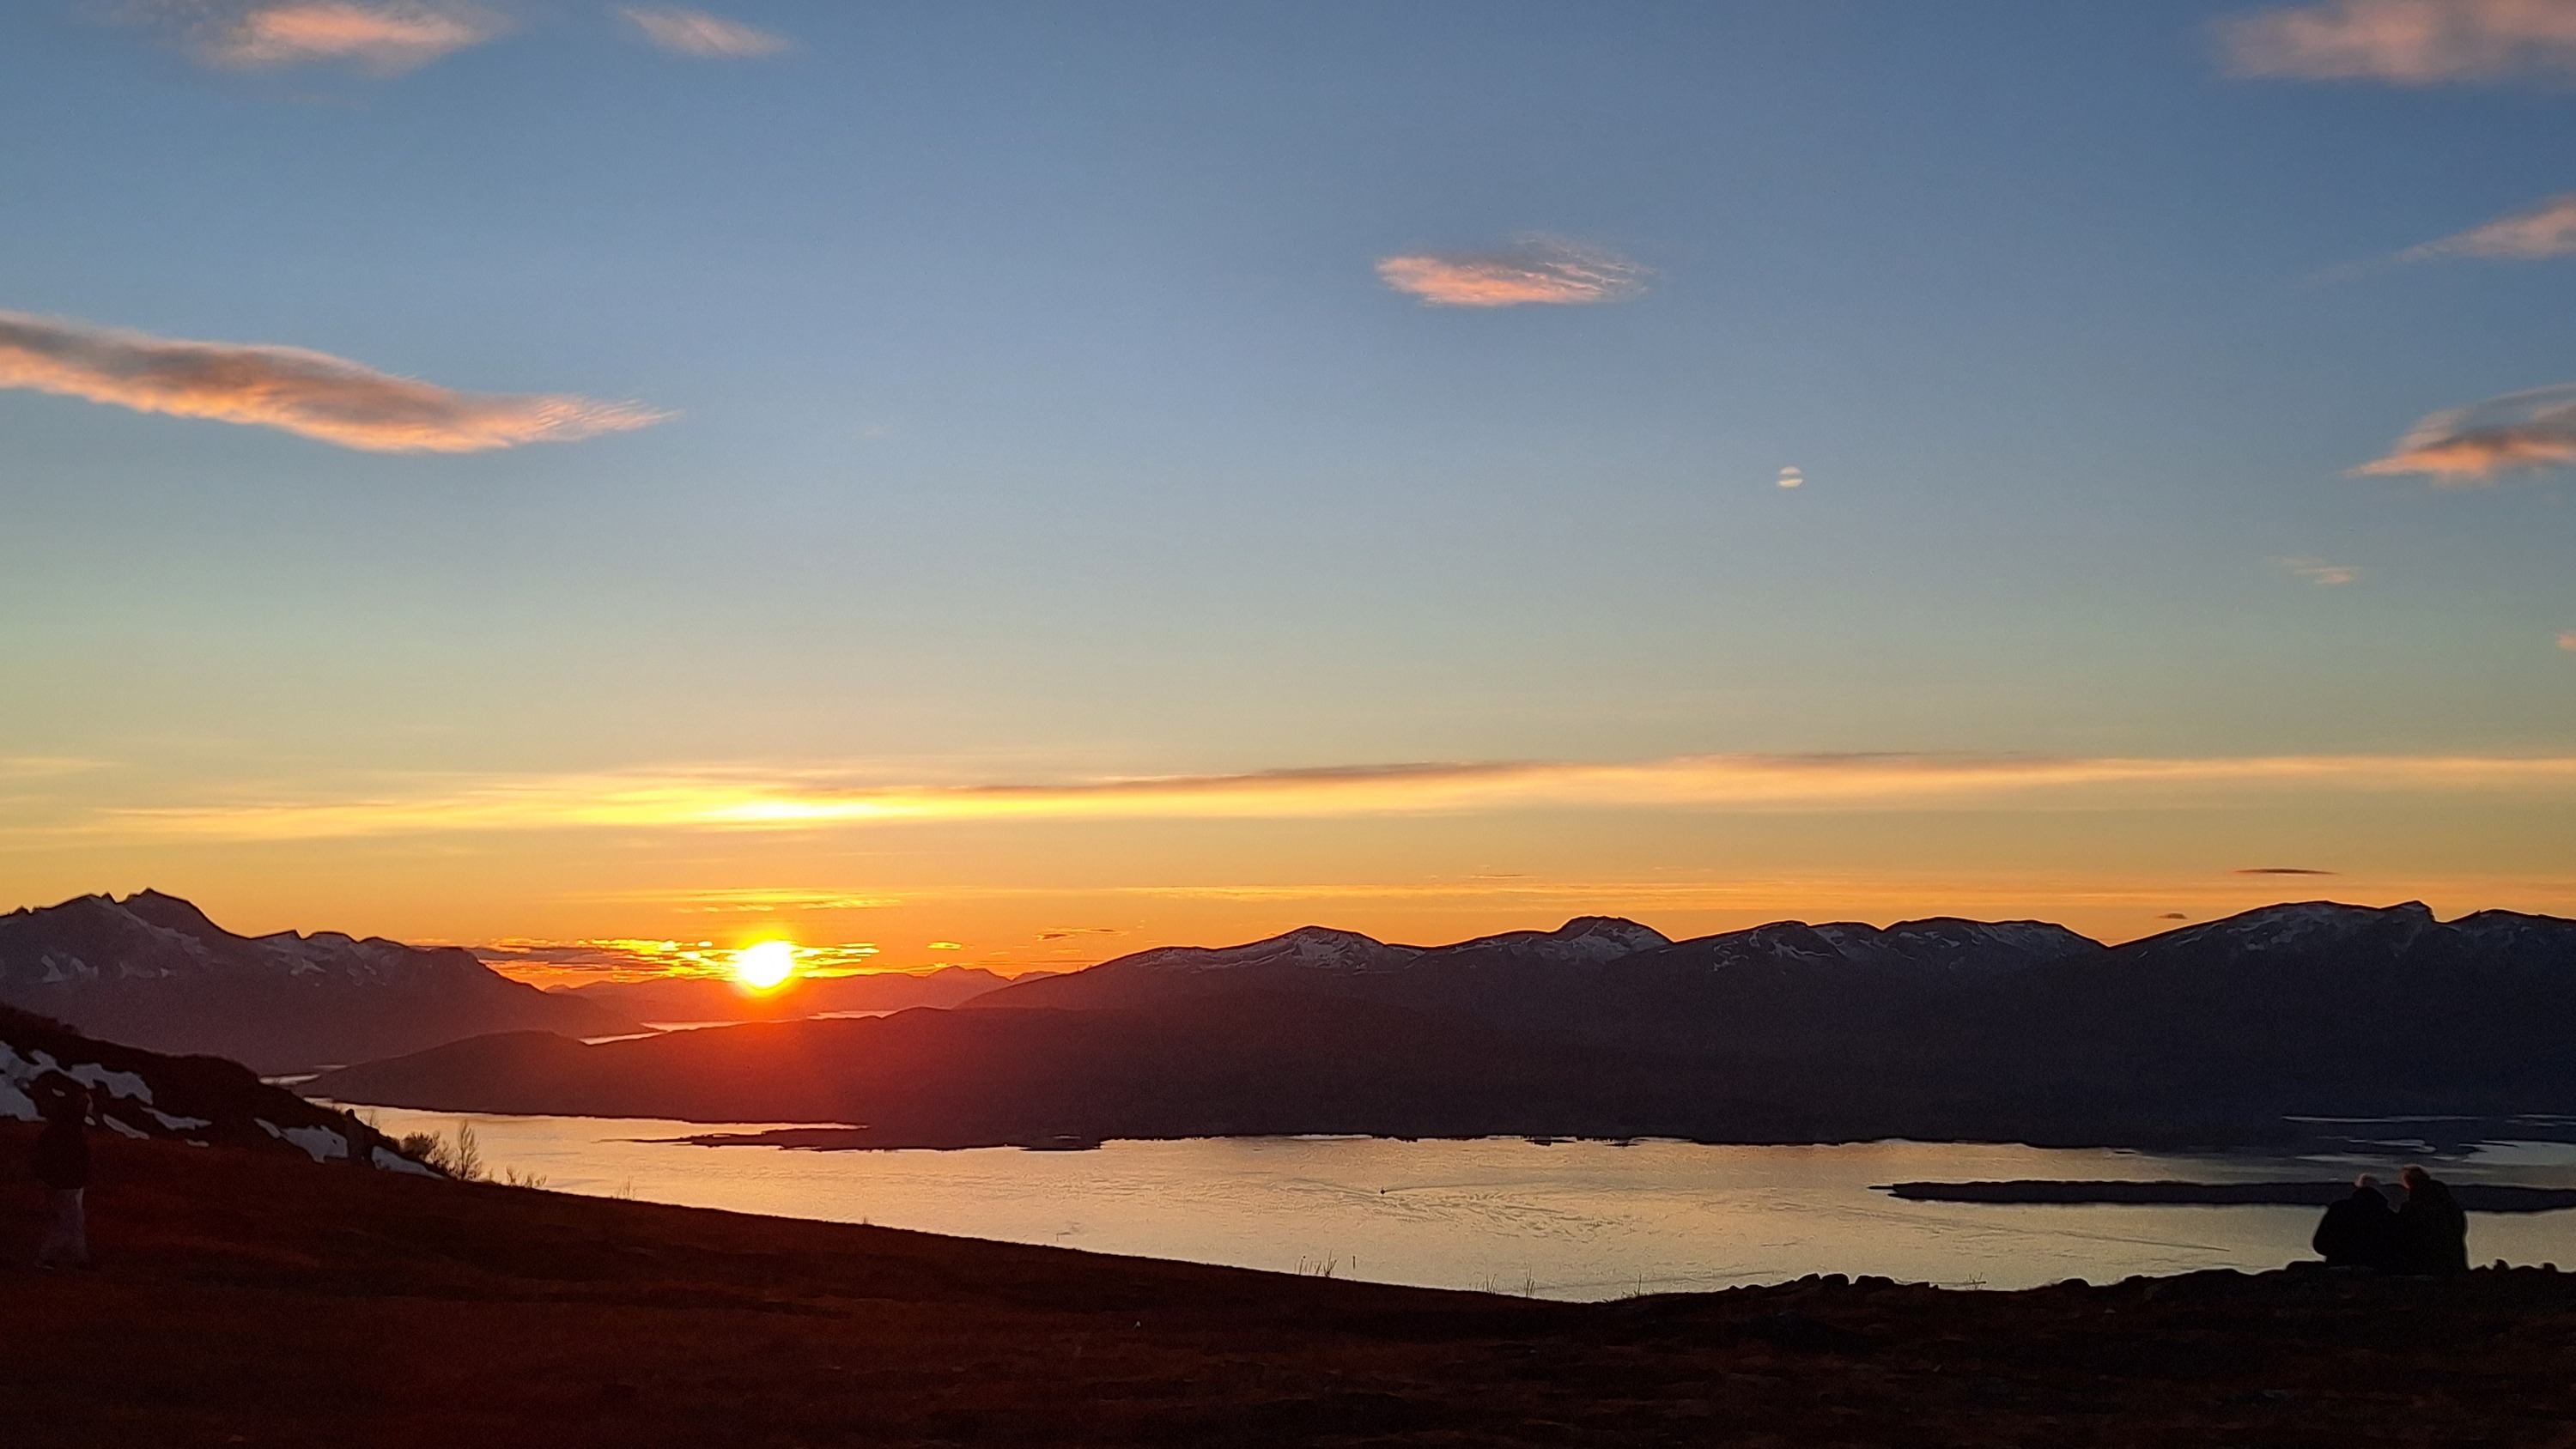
2432,1232
62,1165
2359,1231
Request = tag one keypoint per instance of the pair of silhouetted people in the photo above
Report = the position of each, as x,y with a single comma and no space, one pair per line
62,1165
2427,1234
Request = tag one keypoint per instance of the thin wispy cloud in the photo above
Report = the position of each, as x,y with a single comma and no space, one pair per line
697,33
312,394
744,800
2406,42
2278,870
1535,269
2460,447
2567,641
2535,233
46,767
382,37
2318,571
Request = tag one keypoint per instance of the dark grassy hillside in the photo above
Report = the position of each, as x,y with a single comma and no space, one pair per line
264,1300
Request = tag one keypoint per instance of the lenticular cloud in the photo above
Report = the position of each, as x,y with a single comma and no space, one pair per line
2460,446
1534,269
310,393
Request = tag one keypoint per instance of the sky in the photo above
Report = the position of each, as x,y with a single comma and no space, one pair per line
1015,483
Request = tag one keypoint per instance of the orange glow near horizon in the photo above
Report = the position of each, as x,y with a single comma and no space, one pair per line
765,966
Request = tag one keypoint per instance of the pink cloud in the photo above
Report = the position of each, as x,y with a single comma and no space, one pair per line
308,393
383,36
1533,269
2462,446
2409,42
695,32
2567,641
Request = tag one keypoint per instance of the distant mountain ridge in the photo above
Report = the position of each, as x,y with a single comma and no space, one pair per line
1534,974
1939,1029
152,971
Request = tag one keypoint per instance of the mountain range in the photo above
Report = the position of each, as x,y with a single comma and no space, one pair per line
152,971
1940,1028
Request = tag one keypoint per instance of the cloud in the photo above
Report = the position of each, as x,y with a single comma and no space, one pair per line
1532,269
695,32
2532,234
1792,478
2173,916
2407,42
309,393
2463,446
2567,641
2318,571
2279,870
630,959
722,799
385,37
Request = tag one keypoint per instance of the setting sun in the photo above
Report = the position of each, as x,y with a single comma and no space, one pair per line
766,965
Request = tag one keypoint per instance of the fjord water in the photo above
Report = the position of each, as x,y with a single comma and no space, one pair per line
1575,1220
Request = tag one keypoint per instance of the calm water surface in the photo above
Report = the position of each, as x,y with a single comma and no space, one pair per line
1574,1220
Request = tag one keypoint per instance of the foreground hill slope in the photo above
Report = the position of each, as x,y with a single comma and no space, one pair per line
247,1300
1940,1029
153,971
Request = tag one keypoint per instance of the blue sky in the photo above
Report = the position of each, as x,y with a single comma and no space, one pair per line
1038,415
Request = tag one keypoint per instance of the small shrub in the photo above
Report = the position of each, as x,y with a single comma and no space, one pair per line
461,1159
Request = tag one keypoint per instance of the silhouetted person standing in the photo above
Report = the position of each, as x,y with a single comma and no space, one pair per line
2359,1231
2432,1232
62,1165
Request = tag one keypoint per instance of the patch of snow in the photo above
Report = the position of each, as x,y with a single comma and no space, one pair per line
177,1124
390,1161
118,1084
325,1144
118,1127
267,1126
1316,947
15,1104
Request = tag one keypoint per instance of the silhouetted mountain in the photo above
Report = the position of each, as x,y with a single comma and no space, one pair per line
205,1101
704,998
1788,1032
153,971
2310,1006
1314,960
1595,975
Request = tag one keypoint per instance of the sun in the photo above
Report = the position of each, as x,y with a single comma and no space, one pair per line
766,965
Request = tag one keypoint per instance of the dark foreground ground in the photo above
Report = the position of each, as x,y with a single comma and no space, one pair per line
249,1300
